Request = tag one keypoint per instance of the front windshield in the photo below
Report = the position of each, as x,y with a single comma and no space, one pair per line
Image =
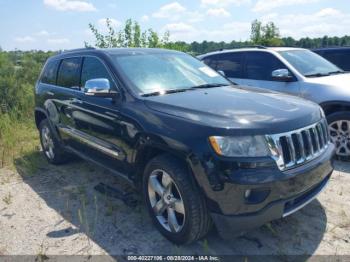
162,72
309,64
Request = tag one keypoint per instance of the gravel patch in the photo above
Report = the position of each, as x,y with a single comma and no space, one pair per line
56,211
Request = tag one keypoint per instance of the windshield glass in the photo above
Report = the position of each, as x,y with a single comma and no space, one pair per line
162,72
308,63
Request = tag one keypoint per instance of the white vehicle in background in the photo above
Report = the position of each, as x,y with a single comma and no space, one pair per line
295,71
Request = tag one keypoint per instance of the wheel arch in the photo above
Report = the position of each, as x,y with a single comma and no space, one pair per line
146,152
40,115
331,107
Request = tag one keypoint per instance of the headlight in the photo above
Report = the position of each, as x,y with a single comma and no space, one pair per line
240,146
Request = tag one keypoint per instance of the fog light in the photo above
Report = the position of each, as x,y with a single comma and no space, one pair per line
256,195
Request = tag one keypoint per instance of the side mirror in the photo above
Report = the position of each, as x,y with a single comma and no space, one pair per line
98,87
221,73
281,75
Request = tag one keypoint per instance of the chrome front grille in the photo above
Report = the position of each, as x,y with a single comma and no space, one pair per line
297,147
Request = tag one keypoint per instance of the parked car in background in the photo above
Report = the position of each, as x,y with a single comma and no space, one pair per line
294,71
340,56
197,148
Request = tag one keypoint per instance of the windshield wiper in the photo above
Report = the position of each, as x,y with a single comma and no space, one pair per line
326,74
337,72
170,91
318,75
208,86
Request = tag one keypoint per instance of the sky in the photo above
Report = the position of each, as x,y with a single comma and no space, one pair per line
63,24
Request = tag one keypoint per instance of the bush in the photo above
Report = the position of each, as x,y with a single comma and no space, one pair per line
18,73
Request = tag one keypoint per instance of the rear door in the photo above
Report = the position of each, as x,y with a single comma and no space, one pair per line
258,70
46,86
66,93
229,63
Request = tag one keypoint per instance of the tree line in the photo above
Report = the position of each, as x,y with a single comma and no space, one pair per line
261,34
208,46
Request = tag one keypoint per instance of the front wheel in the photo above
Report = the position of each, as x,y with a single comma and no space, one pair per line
174,202
339,128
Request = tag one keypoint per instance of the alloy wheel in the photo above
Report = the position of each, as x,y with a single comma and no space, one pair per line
340,136
166,201
47,142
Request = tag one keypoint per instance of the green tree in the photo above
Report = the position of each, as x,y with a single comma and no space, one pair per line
267,34
130,36
256,32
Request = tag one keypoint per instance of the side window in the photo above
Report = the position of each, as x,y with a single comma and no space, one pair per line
69,73
50,73
209,61
94,68
339,58
229,63
345,61
259,65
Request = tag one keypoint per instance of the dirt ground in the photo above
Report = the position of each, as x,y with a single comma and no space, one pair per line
56,210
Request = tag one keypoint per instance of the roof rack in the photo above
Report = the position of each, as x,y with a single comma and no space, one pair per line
78,49
247,46
254,46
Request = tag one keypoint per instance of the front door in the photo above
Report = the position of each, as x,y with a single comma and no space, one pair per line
98,122
258,73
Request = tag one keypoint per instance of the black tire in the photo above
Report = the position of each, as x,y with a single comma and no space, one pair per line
344,116
197,221
59,155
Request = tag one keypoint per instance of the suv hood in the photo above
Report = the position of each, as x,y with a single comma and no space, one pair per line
340,82
259,111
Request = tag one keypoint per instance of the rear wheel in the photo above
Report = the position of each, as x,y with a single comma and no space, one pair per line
174,202
339,128
52,150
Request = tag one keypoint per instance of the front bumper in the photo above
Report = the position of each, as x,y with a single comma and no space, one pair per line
252,197
229,226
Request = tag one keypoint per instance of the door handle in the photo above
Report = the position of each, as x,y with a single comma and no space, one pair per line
76,100
49,93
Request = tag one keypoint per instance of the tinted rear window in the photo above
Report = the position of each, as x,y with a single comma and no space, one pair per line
69,73
50,72
229,63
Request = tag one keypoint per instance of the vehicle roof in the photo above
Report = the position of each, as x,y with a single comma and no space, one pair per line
251,49
113,51
342,48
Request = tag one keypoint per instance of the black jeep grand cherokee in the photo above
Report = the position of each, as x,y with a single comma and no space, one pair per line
198,148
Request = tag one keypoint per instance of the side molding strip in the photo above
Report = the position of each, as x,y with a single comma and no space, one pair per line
88,140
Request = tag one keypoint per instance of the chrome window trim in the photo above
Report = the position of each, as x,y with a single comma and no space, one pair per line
82,56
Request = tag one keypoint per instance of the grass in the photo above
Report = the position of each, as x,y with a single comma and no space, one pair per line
41,256
7,199
270,227
19,144
205,246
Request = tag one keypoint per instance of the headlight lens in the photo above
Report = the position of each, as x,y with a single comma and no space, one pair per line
241,146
